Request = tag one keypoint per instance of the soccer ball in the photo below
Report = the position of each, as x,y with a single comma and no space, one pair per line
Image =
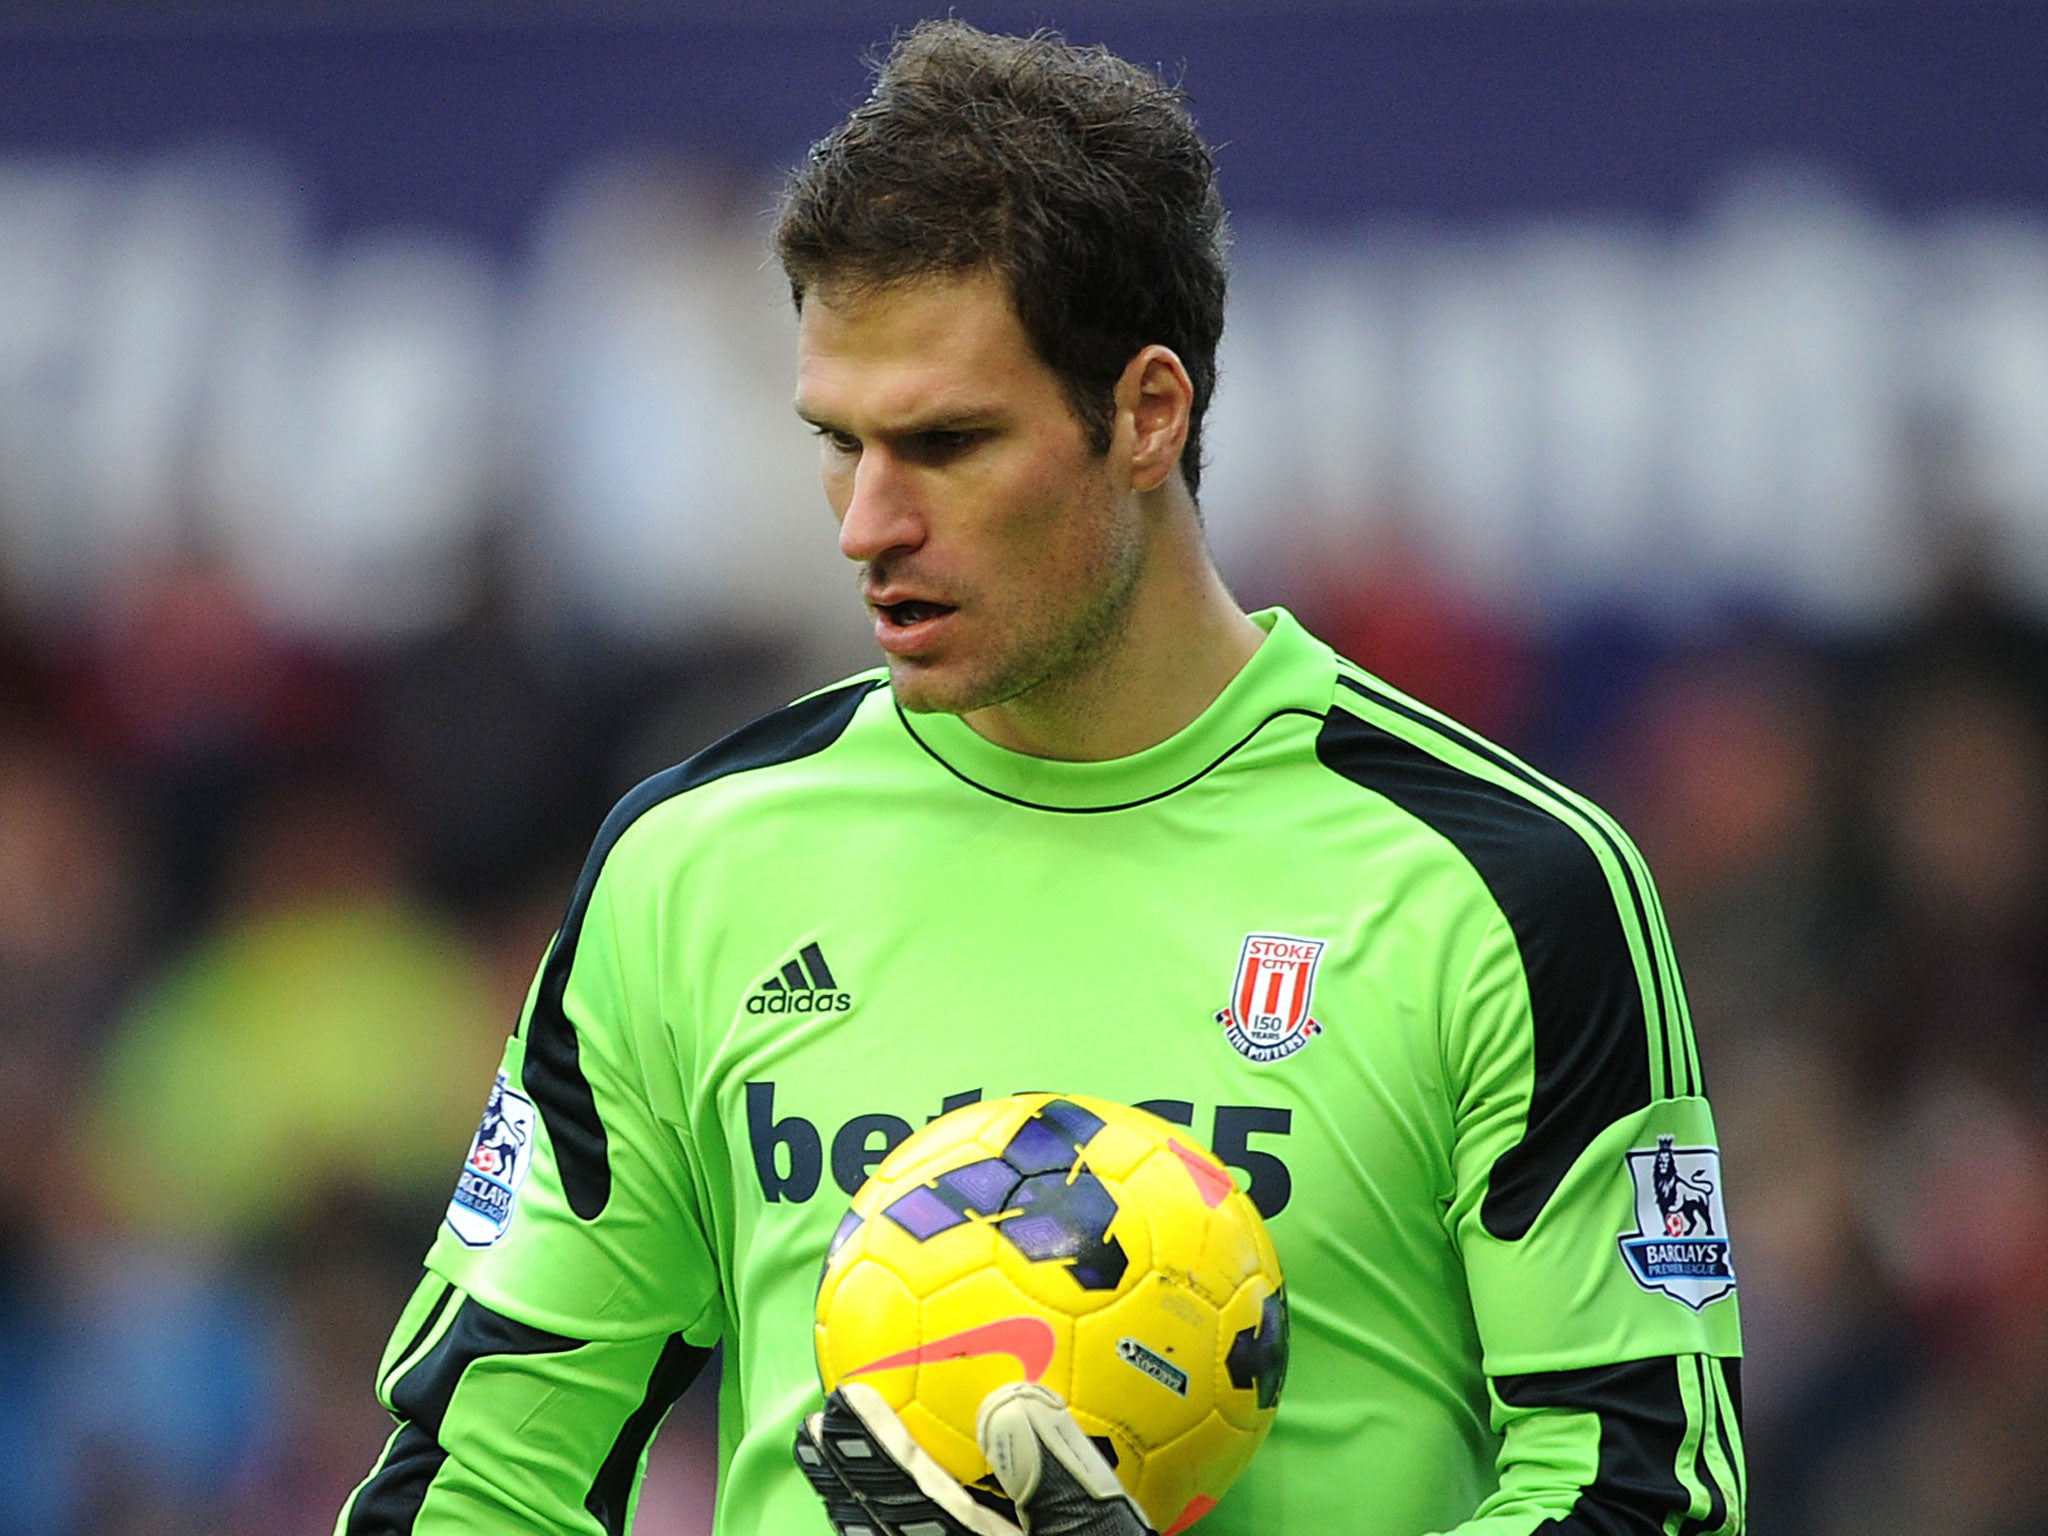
1086,1245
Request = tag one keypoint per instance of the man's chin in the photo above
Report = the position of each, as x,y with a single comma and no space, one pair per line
922,688
917,691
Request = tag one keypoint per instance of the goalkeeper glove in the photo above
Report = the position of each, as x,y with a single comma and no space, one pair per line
877,1481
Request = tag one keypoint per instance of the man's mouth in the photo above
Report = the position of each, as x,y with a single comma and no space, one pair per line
914,611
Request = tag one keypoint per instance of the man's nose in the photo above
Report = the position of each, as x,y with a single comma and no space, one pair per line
882,516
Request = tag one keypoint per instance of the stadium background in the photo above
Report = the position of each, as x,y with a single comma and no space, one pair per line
395,464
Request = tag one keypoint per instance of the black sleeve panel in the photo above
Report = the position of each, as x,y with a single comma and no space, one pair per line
434,1413
1648,1436
388,1503
1591,1042
554,1073
612,1491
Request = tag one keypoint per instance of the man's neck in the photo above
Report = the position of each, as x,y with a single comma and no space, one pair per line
1184,639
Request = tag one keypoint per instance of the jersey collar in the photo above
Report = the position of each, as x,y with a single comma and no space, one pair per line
1288,674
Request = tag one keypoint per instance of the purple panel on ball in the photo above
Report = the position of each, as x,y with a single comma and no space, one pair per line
923,1214
1077,1124
1039,1148
1044,1237
984,1186
1061,1218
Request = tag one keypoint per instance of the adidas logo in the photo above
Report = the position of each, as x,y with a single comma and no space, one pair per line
805,986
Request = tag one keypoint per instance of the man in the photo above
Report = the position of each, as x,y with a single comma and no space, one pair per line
1040,850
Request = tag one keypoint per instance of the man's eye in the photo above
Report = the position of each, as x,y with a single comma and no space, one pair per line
838,442
949,442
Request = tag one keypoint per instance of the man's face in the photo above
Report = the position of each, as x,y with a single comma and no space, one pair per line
998,555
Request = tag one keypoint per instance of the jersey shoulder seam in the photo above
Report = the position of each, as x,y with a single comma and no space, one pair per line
797,730
1441,738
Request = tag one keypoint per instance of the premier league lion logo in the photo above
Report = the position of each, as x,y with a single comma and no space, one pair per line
1685,1202
1680,1244
499,1156
500,1139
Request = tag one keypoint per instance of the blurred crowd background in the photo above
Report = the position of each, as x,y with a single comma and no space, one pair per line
396,465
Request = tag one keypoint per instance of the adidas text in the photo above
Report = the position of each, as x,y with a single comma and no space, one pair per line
800,1002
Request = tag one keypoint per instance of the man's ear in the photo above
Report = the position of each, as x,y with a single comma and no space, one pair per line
1156,396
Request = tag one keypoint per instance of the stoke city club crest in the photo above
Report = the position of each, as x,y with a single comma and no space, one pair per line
1268,1017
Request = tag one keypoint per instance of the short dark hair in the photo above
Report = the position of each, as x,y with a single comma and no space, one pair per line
1075,175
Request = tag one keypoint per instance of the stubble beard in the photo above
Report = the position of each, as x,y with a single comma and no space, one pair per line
1049,652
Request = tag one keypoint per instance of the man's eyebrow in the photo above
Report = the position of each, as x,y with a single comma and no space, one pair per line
954,420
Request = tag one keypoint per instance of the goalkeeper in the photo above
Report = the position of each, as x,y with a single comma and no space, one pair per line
1093,828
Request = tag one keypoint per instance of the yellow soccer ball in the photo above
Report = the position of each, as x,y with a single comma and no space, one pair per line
1086,1245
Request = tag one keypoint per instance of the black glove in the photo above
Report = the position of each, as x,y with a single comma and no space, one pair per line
877,1481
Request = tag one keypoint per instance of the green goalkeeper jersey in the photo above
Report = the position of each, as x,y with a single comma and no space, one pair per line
1420,997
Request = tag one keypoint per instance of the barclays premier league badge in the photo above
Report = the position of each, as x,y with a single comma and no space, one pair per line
495,1168
1680,1245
